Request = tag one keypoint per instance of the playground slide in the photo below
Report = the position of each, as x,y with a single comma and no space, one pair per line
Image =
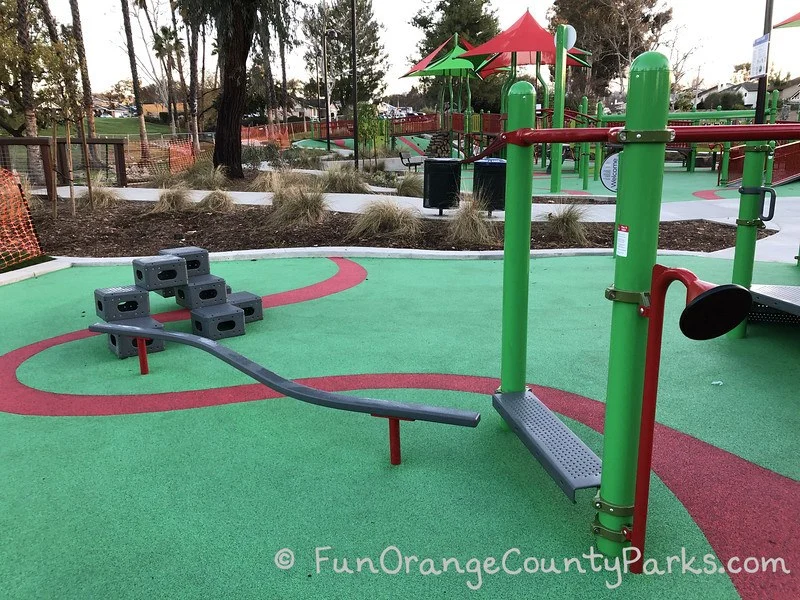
298,391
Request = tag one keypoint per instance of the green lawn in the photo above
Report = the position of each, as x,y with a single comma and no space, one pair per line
112,127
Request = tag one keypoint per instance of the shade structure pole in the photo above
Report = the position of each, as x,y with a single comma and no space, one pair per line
560,83
544,98
354,67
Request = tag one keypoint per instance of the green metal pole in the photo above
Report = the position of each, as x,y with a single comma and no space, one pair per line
598,147
585,145
517,244
748,221
725,161
641,178
715,115
544,98
560,82
773,109
770,164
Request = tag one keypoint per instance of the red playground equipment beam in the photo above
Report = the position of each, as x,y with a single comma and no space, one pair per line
618,135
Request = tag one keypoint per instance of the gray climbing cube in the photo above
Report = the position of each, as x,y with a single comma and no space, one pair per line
166,292
206,290
124,346
125,302
196,259
217,322
249,303
159,272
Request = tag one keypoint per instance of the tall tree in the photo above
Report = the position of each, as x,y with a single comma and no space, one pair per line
471,19
137,92
26,78
615,31
178,51
164,45
371,60
264,37
236,24
193,18
166,97
77,34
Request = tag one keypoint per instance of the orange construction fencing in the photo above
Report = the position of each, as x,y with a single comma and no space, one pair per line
18,239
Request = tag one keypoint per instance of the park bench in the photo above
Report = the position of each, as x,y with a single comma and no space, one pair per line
411,161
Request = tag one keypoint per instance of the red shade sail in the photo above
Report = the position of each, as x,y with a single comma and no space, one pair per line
435,55
526,35
501,61
790,22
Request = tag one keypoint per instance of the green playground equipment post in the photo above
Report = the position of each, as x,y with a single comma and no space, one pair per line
770,164
715,115
544,98
559,86
725,161
755,154
598,147
641,178
773,107
585,145
517,245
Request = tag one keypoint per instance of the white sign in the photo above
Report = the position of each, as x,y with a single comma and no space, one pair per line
758,68
609,172
623,231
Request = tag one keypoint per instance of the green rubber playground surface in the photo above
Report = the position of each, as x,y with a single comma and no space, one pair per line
197,502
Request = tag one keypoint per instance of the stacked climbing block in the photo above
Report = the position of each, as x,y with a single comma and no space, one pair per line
126,305
185,274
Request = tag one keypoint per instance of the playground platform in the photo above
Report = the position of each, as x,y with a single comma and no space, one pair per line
192,480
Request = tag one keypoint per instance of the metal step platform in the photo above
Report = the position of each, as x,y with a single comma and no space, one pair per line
570,462
775,304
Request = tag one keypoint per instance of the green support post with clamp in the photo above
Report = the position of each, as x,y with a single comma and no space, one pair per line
641,179
749,221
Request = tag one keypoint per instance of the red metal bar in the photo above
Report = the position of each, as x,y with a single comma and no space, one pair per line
141,348
695,133
394,437
394,441
662,277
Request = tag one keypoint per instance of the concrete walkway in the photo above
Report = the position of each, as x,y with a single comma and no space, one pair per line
781,247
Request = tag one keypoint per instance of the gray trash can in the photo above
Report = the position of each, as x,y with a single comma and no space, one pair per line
490,182
442,184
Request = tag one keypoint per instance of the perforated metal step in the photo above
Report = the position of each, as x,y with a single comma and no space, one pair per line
570,462
775,304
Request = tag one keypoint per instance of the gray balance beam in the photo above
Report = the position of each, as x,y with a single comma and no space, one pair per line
298,391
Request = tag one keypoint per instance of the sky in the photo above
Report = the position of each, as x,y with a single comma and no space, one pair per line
722,35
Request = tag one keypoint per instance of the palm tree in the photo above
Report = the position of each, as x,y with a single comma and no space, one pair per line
143,6
194,19
164,44
77,33
137,93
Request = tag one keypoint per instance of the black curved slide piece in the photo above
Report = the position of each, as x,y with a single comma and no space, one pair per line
298,391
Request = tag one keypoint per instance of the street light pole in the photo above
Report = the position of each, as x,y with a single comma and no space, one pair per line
327,95
761,97
355,79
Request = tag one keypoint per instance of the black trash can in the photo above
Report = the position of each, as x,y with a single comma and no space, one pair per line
442,184
490,182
